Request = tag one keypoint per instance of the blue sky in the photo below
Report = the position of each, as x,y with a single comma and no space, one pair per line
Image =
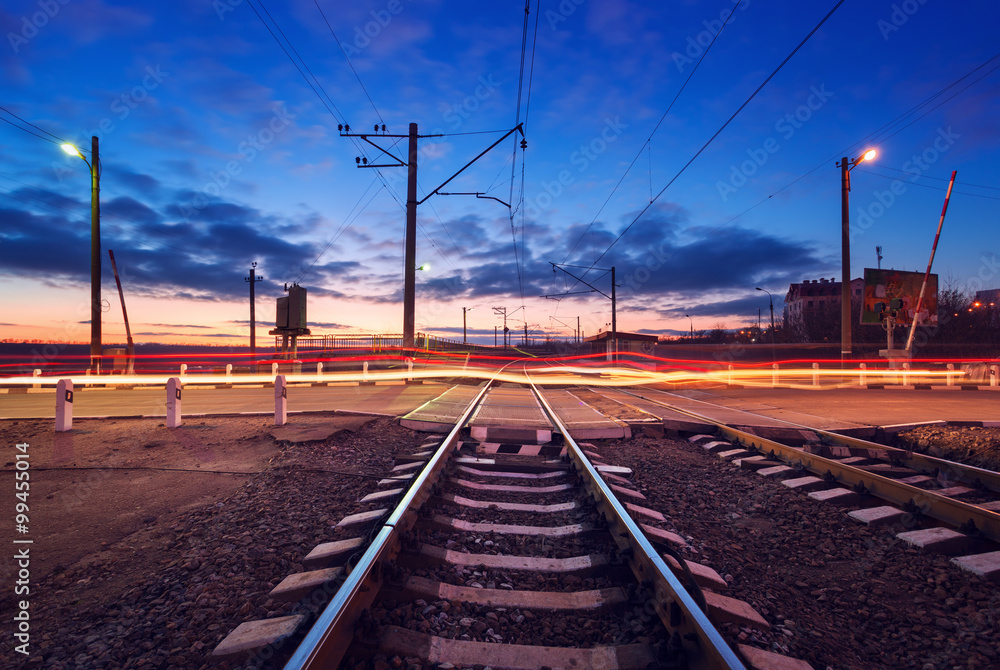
217,152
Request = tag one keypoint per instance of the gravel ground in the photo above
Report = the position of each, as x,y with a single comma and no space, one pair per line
216,564
972,445
836,593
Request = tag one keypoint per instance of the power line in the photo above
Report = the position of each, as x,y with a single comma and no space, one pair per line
41,137
935,188
719,131
356,76
649,139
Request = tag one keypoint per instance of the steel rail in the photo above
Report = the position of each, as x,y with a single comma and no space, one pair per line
960,472
959,514
327,641
674,605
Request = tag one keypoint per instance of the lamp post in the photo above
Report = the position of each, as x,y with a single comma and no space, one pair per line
770,301
846,165
692,326
94,165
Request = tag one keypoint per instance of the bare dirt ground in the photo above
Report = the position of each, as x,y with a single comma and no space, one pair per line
148,549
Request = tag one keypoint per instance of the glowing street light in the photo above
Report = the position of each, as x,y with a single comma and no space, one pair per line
94,165
846,165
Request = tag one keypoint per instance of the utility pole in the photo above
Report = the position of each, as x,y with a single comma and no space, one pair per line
410,242
95,257
613,344
501,311
465,310
252,280
878,253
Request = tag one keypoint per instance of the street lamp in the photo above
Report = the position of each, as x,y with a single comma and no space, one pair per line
95,249
846,165
692,326
770,301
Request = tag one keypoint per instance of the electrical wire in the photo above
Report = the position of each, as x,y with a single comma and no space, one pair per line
719,131
347,58
650,138
56,139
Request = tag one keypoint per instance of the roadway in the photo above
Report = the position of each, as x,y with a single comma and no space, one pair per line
874,407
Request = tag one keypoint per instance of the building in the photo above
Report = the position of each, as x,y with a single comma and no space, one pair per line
814,297
634,342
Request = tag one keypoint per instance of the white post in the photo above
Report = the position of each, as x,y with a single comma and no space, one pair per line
280,401
184,369
274,370
364,371
729,375
229,373
319,370
994,373
906,376
815,374
409,369
64,405
36,373
774,375
861,376
466,365
951,377
173,402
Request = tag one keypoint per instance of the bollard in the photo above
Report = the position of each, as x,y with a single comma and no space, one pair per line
729,375
364,371
36,373
409,369
861,376
184,369
274,369
64,405
906,376
466,365
280,401
950,377
774,375
994,373
815,374
229,373
173,402
319,370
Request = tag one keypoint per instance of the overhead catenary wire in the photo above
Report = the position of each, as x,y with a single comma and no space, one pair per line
348,59
651,134
719,131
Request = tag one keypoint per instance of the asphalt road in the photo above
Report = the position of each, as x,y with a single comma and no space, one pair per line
877,407
392,400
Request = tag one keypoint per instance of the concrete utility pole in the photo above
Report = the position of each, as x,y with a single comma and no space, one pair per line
846,165
465,310
252,280
94,165
410,243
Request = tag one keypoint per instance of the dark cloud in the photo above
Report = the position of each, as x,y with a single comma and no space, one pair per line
130,210
141,185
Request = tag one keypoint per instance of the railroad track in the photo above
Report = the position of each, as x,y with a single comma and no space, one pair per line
506,561
942,506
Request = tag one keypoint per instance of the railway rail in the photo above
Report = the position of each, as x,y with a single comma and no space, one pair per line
560,522
848,470
438,589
